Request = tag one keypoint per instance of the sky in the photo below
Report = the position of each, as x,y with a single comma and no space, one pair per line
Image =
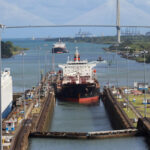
55,12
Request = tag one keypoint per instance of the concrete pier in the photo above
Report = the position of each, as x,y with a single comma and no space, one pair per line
46,113
39,113
118,117
144,128
37,117
87,135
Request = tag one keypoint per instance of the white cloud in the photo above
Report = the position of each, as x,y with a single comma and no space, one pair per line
62,11
11,14
106,14
140,2
33,12
57,11
103,14
132,15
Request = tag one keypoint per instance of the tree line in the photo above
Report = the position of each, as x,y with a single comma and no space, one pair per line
8,49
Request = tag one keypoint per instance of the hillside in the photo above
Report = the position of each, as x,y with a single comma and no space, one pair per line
8,49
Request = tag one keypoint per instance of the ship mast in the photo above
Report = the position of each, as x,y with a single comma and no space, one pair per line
53,61
77,55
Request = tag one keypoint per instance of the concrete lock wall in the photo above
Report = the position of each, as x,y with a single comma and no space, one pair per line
38,123
144,128
47,114
118,118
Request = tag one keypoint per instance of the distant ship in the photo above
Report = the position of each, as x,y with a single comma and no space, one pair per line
7,92
78,81
100,59
33,38
59,47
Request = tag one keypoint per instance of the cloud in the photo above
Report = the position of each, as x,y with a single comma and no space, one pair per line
57,11
106,14
143,5
34,12
67,11
11,14
132,15
139,2
103,14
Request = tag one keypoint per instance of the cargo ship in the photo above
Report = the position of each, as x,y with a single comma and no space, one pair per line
77,81
59,47
7,92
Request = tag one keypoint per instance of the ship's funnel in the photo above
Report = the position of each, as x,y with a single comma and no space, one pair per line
76,55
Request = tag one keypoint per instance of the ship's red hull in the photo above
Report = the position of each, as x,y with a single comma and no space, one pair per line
86,100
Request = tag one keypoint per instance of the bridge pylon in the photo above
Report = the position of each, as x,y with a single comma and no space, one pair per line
118,21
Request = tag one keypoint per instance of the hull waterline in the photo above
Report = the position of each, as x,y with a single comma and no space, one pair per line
86,100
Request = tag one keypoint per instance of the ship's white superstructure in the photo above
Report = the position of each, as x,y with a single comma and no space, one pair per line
59,47
78,71
6,91
60,44
77,81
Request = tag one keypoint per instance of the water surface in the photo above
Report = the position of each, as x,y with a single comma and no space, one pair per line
74,117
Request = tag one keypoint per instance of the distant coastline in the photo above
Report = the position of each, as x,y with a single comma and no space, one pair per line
138,51
9,49
138,45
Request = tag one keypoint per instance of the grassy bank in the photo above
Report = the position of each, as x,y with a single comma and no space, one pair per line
137,44
138,104
133,50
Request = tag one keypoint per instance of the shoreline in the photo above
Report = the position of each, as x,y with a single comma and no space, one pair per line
8,49
14,53
124,55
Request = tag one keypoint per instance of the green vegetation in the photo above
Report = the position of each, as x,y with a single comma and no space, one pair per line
8,49
136,43
138,103
131,115
98,40
135,51
106,39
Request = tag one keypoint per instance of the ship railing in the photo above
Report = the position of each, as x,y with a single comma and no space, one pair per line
81,79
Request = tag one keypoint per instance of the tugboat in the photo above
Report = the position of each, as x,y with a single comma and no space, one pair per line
77,81
100,59
59,47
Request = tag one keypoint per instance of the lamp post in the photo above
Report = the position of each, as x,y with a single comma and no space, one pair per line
53,60
24,104
46,61
127,48
116,45
145,101
45,64
39,76
108,63
1,146
53,64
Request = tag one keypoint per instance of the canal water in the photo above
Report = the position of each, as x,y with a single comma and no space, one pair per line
107,144
79,118
75,117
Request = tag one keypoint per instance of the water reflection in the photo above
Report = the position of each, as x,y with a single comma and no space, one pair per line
134,143
80,118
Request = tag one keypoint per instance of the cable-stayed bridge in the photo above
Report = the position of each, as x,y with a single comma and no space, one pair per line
118,26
